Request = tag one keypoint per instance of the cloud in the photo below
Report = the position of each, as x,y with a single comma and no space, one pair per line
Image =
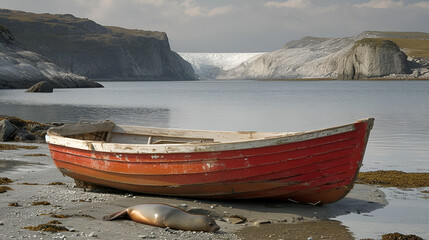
158,3
97,9
192,9
421,5
288,4
381,4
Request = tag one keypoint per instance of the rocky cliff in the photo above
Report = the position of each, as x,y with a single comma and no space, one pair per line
306,58
372,57
367,55
22,69
86,48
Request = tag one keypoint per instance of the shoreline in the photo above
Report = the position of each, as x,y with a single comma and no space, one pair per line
35,184
36,179
42,182
262,80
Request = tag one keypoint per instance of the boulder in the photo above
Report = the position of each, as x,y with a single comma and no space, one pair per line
7,130
35,127
24,135
44,86
371,58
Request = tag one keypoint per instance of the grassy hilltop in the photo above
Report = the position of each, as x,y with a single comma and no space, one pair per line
414,44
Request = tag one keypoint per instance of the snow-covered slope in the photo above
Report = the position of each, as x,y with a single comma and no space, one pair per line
210,65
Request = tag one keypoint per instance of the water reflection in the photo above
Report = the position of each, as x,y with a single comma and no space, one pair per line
157,117
12,165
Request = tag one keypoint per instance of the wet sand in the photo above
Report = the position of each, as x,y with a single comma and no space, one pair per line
32,182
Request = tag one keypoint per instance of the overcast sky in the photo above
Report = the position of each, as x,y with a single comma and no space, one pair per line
242,25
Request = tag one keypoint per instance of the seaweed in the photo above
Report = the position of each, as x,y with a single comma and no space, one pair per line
397,179
47,228
4,189
15,147
5,180
72,215
56,183
44,203
399,236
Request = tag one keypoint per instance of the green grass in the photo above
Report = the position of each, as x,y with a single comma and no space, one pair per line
412,35
417,48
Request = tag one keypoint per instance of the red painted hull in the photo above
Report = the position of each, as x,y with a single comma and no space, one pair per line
316,170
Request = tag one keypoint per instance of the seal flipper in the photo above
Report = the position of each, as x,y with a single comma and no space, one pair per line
116,215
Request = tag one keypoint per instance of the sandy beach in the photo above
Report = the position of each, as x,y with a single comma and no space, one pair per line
36,180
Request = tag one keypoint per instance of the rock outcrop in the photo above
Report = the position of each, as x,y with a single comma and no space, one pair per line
6,130
22,69
16,129
309,58
84,47
44,87
371,58
366,55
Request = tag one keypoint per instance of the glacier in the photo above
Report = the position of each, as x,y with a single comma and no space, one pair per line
211,65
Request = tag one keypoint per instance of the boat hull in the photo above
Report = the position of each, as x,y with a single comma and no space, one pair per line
307,168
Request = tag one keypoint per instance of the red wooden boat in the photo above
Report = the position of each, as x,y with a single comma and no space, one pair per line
316,167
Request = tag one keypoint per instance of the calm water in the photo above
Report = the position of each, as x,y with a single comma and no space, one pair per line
399,141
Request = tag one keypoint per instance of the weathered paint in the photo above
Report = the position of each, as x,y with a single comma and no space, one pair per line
312,167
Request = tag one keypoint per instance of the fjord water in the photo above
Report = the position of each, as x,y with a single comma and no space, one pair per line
398,141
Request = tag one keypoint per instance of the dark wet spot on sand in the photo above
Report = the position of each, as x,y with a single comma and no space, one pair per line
8,165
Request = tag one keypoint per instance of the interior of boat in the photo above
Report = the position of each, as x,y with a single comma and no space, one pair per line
109,132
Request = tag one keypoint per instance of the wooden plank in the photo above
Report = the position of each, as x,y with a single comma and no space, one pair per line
76,129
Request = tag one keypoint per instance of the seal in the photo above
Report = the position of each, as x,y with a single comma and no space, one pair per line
163,215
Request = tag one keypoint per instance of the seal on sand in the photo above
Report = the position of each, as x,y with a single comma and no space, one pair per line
162,215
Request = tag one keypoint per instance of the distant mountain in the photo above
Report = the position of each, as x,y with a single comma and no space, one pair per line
398,55
22,69
84,47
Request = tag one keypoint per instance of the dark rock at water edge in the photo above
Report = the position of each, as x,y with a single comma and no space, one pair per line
19,130
84,47
24,135
7,130
45,87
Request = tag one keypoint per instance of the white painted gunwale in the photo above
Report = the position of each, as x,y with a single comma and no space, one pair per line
123,148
